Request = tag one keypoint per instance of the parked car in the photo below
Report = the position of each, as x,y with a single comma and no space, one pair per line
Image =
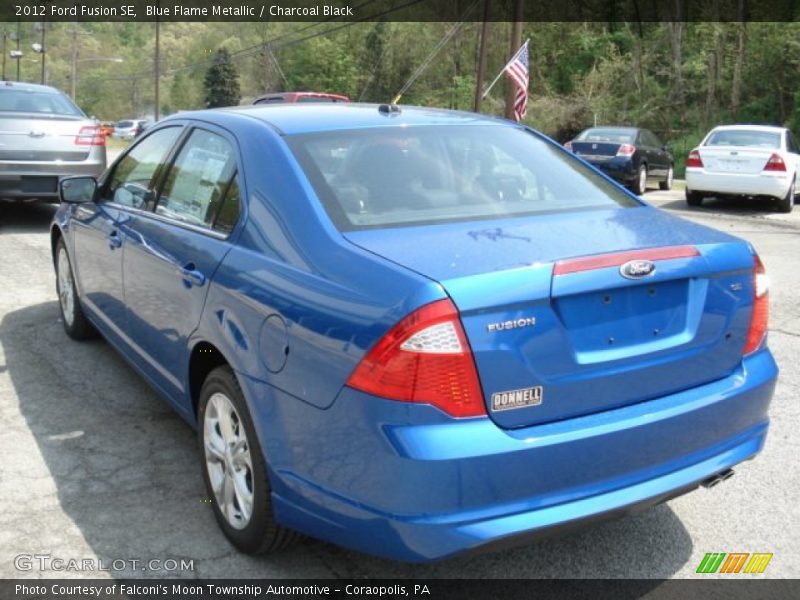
44,137
744,160
419,335
129,129
294,97
107,128
630,155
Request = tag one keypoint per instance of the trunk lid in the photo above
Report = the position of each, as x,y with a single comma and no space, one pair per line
553,339
595,150
31,137
727,159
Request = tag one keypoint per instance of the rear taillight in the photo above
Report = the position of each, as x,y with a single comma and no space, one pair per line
424,358
568,146
90,135
626,150
760,316
694,160
775,163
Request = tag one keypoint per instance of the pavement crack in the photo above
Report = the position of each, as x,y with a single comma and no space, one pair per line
784,332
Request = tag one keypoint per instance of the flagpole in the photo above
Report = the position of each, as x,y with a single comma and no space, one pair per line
516,42
503,70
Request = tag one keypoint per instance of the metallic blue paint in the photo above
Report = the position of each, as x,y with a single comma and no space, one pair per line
293,305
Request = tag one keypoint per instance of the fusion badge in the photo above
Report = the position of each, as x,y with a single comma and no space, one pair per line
531,396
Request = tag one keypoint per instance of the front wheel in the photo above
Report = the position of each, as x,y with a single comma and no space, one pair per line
640,183
786,204
233,467
667,183
75,322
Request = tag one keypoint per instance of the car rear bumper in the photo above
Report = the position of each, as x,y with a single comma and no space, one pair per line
39,180
617,167
761,184
406,482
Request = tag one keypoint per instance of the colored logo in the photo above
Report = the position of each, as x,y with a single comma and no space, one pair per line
734,562
636,269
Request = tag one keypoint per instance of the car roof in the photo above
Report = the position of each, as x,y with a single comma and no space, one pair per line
312,118
767,128
620,127
29,87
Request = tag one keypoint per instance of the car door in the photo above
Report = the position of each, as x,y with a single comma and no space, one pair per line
98,229
647,143
661,155
174,250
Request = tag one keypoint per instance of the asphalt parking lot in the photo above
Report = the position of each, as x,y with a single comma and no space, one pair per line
96,466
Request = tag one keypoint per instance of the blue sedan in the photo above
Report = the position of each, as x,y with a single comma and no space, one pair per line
415,332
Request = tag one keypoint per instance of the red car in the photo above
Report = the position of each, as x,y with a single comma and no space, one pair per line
292,97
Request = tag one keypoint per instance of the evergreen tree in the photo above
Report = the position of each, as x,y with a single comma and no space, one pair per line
221,83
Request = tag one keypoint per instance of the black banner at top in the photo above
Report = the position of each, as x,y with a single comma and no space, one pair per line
399,10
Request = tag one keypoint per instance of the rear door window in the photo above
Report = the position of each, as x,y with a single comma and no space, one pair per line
199,179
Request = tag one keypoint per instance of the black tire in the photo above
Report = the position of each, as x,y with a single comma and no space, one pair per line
667,183
786,204
261,533
639,184
75,322
694,198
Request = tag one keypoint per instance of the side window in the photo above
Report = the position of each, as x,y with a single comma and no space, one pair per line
654,141
791,145
197,181
132,180
228,213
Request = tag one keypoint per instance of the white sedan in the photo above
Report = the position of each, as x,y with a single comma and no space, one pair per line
744,160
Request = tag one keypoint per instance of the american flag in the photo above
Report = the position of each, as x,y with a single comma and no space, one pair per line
517,71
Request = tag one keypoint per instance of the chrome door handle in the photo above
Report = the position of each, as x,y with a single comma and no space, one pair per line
114,241
191,276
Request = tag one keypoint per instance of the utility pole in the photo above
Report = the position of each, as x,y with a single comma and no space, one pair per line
73,71
5,51
19,60
44,49
482,58
73,76
516,42
157,66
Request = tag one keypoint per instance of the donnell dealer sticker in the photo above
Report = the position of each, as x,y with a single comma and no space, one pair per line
517,398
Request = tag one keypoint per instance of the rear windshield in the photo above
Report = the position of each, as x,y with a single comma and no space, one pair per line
744,137
409,176
605,134
47,103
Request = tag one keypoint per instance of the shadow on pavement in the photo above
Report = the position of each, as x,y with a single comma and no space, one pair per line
746,207
34,217
126,472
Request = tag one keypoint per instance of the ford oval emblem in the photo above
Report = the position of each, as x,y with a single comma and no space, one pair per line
637,269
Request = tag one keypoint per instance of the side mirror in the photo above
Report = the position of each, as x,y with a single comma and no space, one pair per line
77,190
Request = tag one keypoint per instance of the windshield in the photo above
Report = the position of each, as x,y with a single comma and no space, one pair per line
407,176
124,124
27,101
617,136
745,137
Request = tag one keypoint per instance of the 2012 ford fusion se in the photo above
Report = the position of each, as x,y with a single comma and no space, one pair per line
415,332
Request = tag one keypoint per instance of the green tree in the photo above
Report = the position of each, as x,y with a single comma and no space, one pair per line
221,83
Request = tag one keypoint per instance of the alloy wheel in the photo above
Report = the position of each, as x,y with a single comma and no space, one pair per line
228,460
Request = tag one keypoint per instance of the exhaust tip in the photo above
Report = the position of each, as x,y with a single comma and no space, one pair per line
717,478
